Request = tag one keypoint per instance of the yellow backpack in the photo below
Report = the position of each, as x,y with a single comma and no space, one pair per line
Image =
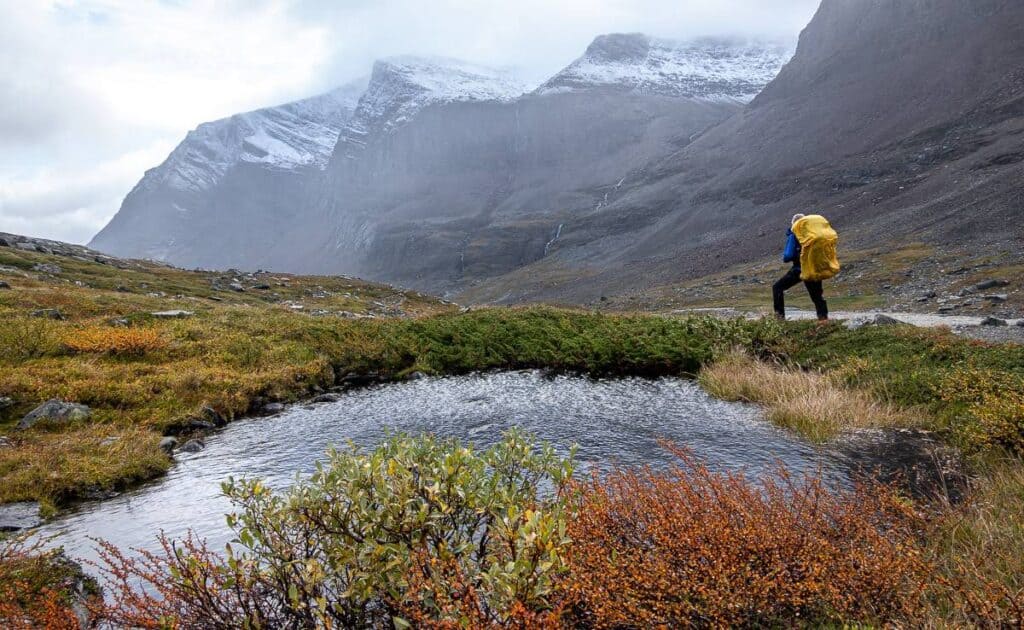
818,241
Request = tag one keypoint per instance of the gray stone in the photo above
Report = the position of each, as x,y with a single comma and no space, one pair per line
271,409
48,313
110,441
201,425
1020,323
994,321
168,444
327,398
55,410
26,246
873,320
176,314
47,268
5,402
234,286
416,376
5,442
991,284
997,298
4,285
17,516
262,287
193,446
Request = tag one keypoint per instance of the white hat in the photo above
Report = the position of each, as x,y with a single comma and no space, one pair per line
797,217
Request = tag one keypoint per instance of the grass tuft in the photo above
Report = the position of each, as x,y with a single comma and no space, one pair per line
811,403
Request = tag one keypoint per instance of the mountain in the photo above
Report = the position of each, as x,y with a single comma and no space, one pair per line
238,173
446,174
709,68
902,121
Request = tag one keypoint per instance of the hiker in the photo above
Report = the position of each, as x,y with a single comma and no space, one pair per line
815,231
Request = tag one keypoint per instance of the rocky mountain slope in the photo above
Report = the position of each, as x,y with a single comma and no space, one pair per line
447,173
902,121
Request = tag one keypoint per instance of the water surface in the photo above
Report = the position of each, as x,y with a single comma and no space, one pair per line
612,422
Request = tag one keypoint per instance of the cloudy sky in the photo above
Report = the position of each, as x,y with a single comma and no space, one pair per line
94,92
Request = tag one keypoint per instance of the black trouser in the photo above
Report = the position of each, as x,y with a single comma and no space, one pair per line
789,281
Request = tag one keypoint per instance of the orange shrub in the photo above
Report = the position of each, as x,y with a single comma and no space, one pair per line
690,547
34,588
119,341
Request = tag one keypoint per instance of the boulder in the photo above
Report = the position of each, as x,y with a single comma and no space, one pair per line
991,284
994,321
168,444
175,314
193,446
4,285
327,398
416,376
877,319
272,409
5,402
48,313
997,298
237,287
55,410
18,516
1020,322
47,268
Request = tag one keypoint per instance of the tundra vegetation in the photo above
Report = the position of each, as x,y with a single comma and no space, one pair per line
431,533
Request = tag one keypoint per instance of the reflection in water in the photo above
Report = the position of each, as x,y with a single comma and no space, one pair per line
613,422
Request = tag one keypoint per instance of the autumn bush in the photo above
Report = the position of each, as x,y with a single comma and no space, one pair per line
989,405
120,341
37,587
693,548
419,531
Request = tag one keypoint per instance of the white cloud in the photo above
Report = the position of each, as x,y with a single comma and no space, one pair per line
93,92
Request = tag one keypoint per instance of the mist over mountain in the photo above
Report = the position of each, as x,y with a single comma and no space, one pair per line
643,162
444,172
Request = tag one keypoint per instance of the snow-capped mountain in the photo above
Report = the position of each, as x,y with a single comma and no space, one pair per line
402,86
713,69
290,136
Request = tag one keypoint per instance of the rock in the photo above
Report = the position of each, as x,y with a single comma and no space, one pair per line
234,286
4,242
55,411
48,313
168,444
201,425
416,376
327,398
994,321
874,320
176,314
212,415
262,287
26,246
272,409
4,285
1020,322
991,284
5,442
17,516
946,309
123,289
47,268
110,441
997,298
193,446
5,402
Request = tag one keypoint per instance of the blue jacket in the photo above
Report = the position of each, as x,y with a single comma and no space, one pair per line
792,251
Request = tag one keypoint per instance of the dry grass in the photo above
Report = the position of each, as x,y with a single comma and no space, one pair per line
977,547
813,404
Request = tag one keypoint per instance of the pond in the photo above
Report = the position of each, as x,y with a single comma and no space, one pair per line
613,422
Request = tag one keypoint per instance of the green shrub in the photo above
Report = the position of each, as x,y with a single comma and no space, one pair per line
419,530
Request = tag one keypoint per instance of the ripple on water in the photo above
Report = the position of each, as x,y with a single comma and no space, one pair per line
613,422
